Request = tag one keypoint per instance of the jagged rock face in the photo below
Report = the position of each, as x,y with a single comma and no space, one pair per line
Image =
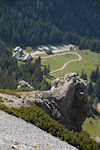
66,101
24,84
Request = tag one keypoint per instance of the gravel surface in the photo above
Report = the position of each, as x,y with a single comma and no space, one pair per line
17,134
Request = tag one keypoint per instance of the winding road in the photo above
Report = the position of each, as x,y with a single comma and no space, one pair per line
68,62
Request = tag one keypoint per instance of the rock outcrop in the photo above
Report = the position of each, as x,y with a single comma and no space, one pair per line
24,84
66,101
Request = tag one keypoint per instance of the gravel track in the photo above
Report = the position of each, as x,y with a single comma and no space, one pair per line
67,62
17,134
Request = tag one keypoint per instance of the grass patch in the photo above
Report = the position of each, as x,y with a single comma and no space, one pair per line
22,89
89,62
1,99
92,126
9,92
29,49
58,61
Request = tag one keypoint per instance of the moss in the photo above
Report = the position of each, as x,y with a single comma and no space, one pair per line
1,99
9,92
22,89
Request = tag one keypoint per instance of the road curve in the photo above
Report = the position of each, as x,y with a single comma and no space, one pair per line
68,62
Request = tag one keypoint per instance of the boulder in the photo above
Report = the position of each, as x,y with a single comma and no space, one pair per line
24,84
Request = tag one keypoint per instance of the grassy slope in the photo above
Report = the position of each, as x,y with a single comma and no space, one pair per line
92,126
89,62
58,61
29,49
9,92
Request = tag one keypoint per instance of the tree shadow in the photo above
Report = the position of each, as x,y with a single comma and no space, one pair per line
50,77
95,112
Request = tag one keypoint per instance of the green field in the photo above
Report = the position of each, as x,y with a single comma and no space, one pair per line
92,126
89,62
58,61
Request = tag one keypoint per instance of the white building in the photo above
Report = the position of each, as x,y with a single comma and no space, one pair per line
18,48
20,55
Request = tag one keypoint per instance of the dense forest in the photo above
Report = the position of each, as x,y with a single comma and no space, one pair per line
35,22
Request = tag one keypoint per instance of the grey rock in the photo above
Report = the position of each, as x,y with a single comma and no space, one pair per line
55,82
24,84
68,102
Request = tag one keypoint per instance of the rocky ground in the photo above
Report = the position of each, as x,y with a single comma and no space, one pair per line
17,134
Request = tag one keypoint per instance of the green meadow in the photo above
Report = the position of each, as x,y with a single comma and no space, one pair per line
58,61
92,126
89,62
29,49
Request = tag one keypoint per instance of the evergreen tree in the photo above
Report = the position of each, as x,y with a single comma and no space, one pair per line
90,88
97,88
93,76
83,75
26,22
48,68
45,70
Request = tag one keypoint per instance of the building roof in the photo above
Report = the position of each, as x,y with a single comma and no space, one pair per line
17,48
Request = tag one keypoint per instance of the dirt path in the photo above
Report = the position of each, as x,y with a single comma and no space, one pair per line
68,62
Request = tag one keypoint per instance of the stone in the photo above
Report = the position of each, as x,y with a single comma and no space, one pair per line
24,84
68,103
14,146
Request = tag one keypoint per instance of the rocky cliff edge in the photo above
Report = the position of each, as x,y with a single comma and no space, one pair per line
66,101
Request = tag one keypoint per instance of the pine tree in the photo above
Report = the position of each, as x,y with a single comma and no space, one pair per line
97,88
90,88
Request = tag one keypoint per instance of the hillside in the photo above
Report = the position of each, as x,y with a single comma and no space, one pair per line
40,118
31,23
89,62
18,134
34,23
